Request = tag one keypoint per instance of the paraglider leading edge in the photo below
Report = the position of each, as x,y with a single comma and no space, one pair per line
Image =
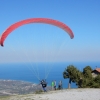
35,20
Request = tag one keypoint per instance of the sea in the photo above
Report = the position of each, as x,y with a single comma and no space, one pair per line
34,72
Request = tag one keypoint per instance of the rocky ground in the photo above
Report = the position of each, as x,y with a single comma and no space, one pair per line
67,94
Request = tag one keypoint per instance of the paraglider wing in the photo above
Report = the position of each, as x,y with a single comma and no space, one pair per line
35,20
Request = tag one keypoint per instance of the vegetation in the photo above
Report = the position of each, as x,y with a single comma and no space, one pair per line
38,92
4,97
82,79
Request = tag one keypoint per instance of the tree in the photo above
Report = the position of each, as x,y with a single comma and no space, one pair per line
72,73
82,79
87,72
87,77
96,82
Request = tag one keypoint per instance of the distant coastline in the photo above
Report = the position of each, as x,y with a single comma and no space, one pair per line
13,87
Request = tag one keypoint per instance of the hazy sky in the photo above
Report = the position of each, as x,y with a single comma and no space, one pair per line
42,42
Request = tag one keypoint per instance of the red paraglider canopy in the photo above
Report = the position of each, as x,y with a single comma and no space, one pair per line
35,20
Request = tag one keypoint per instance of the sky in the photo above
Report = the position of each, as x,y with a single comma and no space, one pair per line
48,43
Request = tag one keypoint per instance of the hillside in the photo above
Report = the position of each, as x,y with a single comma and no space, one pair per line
13,87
